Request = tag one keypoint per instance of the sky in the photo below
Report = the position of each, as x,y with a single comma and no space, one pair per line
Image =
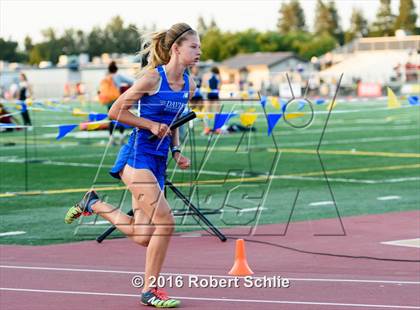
19,18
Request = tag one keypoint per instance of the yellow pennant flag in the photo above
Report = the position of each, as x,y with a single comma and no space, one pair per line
294,115
92,126
204,115
275,102
392,100
78,112
244,95
198,113
249,117
209,115
331,106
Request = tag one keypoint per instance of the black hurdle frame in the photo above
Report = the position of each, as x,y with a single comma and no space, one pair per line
187,202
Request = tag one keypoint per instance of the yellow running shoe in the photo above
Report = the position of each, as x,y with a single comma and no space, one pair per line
81,208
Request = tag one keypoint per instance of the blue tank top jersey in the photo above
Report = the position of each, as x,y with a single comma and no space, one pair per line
214,84
162,107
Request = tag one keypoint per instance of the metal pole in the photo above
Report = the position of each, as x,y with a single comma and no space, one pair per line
26,158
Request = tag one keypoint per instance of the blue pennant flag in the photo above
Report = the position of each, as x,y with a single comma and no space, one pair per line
301,105
283,105
118,124
96,117
101,116
263,101
413,100
7,125
24,108
272,120
63,130
220,119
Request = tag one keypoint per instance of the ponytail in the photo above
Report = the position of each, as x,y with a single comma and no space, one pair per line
156,47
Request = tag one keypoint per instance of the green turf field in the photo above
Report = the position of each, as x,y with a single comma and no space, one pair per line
371,156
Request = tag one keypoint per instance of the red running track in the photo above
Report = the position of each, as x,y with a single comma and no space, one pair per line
88,275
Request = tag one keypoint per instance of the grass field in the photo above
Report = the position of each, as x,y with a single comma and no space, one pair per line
371,156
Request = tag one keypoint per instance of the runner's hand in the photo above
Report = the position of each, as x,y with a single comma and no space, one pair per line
182,161
160,130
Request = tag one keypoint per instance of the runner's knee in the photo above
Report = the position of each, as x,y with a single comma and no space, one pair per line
142,240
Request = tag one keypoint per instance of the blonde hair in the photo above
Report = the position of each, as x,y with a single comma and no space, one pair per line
157,46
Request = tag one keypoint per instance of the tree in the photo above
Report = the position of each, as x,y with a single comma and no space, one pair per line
407,18
201,27
327,20
358,25
95,42
69,40
270,41
247,41
27,43
292,17
35,55
121,39
385,20
213,24
212,45
132,42
49,34
81,40
8,50
322,18
114,34
51,48
335,27
316,46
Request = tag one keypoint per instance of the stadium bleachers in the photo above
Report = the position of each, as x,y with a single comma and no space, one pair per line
369,66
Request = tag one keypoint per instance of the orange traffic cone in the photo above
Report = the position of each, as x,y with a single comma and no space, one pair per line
240,267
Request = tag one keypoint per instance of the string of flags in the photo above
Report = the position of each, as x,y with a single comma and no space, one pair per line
247,118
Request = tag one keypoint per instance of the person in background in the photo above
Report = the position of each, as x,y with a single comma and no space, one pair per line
24,93
117,83
6,118
212,104
196,102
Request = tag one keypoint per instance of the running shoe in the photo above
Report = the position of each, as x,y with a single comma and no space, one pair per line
81,208
159,299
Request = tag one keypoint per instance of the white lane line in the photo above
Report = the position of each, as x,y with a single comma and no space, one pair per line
96,223
12,233
238,211
221,211
321,203
412,243
389,197
285,177
316,131
266,301
243,210
207,275
56,163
